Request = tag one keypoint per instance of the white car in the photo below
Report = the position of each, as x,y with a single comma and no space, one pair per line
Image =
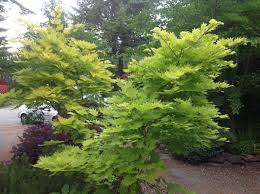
39,114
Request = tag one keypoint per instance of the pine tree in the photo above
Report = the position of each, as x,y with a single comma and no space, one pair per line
4,68
123,24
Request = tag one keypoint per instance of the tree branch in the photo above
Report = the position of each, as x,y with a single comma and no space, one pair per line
24,9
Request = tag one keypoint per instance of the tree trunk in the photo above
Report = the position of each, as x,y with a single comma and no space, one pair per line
120,68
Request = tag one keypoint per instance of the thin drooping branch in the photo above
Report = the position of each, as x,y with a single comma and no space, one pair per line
24,9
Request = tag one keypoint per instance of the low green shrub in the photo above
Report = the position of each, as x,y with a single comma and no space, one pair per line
246,146
178,189
197,155
75,189
20,177
3,103
247,141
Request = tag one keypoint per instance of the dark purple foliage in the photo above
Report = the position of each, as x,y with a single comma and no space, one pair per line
96,128
32,140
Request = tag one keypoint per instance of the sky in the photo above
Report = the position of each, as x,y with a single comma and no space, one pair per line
12,15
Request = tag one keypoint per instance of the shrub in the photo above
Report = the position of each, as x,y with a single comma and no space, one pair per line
246,141
165,99
181,73
4,102
176,188
19,177
32,140
199,155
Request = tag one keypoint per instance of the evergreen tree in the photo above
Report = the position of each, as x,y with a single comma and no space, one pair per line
24,9
123,24
4,63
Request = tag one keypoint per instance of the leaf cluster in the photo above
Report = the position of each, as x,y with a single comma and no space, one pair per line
164,100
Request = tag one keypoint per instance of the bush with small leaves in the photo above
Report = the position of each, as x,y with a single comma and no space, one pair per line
32,141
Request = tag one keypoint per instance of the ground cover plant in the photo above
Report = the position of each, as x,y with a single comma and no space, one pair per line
20,176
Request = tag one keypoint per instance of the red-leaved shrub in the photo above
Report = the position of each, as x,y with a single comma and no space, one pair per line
32,140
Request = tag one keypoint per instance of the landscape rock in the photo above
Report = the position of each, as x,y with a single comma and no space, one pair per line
227,157
162,146
227,164
213,164
250,158
165,157
160,186
234,159
217,159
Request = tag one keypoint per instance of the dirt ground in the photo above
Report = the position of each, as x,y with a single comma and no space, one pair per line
8,137
10,129
208,179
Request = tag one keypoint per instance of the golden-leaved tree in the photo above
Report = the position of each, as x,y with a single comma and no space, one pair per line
58,70
165,99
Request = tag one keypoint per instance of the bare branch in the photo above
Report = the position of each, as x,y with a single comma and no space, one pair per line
24,9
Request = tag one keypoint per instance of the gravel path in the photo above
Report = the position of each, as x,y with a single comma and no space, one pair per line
10,129
205,179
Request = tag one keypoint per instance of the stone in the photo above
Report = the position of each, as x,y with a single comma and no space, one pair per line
165,157
234,159
213,164
217,159
227,164
250,158
162,146
227,157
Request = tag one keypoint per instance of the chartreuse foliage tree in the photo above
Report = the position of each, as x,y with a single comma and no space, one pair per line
55,69
124,153
181,73
164,99
241,101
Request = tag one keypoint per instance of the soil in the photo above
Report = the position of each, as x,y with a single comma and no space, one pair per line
9,137
10,129
211,178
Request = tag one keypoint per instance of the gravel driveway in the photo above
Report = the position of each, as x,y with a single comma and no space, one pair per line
205,179
10,129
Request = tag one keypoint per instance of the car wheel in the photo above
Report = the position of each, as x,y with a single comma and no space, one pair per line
24,119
